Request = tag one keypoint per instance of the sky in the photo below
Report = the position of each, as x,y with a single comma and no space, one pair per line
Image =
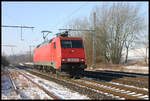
49,16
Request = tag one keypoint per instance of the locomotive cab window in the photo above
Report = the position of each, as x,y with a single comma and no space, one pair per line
71,44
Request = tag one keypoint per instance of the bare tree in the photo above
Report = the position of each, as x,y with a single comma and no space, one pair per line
5,61
116,27
143,43
118,24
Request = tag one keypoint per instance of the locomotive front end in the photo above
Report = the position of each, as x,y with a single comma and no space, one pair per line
72,55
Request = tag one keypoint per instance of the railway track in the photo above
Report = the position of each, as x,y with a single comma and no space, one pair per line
117,88
132,77
122,92
71,86
52,95
124,73
12,82
136,81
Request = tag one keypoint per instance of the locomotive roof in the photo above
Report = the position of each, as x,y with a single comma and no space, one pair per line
49,41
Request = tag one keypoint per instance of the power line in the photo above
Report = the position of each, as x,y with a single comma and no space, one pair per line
73,12
94,41
30,46
78,29
18,27
76,10
10,45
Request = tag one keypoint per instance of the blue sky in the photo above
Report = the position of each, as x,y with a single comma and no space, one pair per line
43,16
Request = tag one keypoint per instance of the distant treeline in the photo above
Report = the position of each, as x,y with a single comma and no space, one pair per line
19,58
4,61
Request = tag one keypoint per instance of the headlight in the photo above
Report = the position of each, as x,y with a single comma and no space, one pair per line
81,59
63,59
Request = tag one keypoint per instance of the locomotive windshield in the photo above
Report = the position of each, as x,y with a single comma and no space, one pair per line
71,44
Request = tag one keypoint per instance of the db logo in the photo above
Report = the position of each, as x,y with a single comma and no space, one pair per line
73,50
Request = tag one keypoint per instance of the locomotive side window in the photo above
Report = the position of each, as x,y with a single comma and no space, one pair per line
54,45
77,44
71,44
66,43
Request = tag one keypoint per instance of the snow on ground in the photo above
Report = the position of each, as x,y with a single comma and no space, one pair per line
137,67
59,90
7,91
135,64
27,90
136,54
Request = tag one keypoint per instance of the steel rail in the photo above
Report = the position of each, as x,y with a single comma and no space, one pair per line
124,73
42,88
104,90
12,82
94,87
118,86
108,76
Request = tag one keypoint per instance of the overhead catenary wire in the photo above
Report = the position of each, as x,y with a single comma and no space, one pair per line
18,27
19,22
68,17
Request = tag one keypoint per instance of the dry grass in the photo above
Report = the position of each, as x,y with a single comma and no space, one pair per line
106,67
120,67
140,63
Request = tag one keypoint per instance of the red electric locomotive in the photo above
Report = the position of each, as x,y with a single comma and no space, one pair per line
61,54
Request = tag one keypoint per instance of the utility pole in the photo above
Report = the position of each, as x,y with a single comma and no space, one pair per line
30,52
94,42
18,27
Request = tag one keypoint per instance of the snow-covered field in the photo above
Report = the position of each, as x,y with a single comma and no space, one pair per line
135,64
135,67
136,54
